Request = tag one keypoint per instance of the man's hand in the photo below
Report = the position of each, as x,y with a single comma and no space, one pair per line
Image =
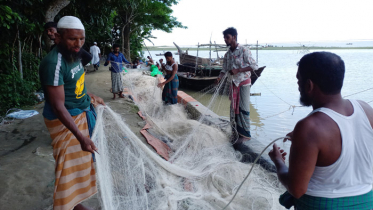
161,60
95,100
160,85
87,144
217,80
234,71
288,137
221,75
277,154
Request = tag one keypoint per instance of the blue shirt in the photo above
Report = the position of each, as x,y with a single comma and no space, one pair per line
116,62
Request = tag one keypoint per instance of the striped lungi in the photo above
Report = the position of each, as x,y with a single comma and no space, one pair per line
75,172
358,202
116,82
241,121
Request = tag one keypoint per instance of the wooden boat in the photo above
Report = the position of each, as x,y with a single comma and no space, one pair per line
198,73
190,60
162,54
190,81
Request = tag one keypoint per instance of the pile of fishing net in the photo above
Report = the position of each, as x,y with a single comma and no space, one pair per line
203,171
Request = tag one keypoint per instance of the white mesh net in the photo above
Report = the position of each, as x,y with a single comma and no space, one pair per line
204,170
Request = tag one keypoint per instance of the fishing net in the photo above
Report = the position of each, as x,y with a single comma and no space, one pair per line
203,171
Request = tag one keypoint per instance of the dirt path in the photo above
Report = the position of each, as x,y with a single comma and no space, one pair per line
26,161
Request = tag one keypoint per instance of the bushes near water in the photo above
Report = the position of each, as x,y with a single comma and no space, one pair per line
15,91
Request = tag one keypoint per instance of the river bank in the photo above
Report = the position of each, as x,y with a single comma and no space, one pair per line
27,164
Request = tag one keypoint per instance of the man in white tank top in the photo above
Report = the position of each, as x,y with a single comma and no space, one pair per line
331,156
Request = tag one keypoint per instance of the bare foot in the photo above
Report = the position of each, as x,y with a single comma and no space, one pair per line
114,96
81,207
120,95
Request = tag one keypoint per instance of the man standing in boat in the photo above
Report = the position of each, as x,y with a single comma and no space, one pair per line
239,62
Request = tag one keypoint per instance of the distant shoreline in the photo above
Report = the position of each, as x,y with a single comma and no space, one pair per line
267,48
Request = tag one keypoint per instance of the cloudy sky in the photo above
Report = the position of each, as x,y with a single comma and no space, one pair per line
270,21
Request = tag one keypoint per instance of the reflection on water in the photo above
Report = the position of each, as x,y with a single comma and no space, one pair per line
271,114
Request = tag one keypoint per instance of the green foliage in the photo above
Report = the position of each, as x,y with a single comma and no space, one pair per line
8,17
23,17
142,17
97,17
15,92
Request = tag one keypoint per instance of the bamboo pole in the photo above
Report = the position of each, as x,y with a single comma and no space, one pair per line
148,50
195,68
257,61
217,53
210,59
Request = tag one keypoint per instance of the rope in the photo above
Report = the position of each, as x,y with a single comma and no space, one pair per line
252,167
294,106
358,92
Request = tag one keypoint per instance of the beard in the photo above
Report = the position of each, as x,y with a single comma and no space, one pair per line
70,56
304,99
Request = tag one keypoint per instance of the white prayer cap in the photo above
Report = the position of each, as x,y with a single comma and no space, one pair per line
94,42
70,22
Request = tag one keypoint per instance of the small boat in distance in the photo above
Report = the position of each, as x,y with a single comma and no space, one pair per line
162,54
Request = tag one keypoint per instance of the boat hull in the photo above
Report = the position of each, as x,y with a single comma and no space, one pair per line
198,82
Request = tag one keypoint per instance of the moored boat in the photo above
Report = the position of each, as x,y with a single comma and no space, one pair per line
197,73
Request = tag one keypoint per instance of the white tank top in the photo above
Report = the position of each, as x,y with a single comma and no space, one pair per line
168,67
352,173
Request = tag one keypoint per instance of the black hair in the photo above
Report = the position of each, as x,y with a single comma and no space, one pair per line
168,54
232,31
115,46
325,69
61,31
50,25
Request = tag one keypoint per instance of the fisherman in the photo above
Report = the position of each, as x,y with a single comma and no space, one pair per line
239,62
116,59
96,54
150,61
331,155
171,85
51,30
69,116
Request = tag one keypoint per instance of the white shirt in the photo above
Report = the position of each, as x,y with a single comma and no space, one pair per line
94,50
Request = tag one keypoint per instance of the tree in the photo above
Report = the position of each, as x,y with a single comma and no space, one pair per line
53,8
97,17
140,17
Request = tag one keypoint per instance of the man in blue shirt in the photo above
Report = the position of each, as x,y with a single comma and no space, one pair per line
116,59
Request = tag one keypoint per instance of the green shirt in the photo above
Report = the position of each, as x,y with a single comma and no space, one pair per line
54,70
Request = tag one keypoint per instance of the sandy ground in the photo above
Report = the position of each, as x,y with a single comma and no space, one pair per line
26,161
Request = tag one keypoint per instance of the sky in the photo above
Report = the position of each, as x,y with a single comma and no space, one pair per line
269,21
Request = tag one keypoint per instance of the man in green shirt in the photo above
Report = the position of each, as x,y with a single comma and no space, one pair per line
69,116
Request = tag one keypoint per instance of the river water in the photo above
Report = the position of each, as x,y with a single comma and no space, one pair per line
271,113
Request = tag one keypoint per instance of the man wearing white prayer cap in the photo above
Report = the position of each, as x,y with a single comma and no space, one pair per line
70,117
96,54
